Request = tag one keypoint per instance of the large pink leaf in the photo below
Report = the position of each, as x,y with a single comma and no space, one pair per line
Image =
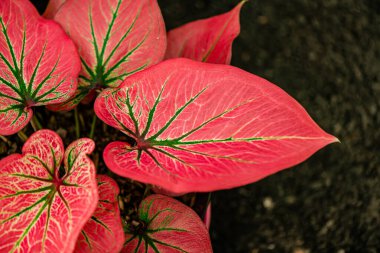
204,127
167,225
44,205
207,40
115,38
104,231
39,64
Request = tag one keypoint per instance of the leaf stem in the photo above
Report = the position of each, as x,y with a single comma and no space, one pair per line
4,139
93,124
36,125
77,127
22,136
147,190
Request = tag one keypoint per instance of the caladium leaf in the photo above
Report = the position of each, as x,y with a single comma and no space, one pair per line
207,40
115,38
204,127
43,205
39,64
53,7
167,225
103,232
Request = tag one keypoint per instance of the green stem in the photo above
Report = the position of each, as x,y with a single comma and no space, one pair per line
22,136
4,139
93,124
77,128
147,190
36,125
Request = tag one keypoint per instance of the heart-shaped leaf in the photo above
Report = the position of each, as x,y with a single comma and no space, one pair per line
207,40
39,64
167,225
103,232
43,205
53,7
204,127
115,38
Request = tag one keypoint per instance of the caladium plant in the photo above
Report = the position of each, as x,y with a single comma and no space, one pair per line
207,40
44,203
204,127
39,64
193,125
166,225
115,39
103,232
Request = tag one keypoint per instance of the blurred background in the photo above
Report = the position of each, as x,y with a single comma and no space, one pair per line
326,55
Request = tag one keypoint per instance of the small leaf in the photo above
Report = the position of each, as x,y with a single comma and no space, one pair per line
103,232
167,225
205,127
38,61
207,40
53,7
115,38
40,209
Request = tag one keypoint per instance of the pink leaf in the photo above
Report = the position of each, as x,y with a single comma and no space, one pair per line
39,64
207,218
207,40
103,232
53,7
167,225
115,38
204,127
43,206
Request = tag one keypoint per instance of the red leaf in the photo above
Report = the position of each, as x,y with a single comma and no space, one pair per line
116,38
207,40
53,7
43,207
167,225
39,64
204,127
103,232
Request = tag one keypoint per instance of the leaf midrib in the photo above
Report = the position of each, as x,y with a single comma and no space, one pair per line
100,77
23,90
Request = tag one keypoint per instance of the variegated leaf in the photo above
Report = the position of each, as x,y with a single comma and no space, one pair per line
43,204
115,38
167,225
205,127
207,40
39,64
103,232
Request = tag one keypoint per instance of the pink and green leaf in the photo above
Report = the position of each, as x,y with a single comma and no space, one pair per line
43,205
103,232
38,61
207,40
204,127
167,225
115,38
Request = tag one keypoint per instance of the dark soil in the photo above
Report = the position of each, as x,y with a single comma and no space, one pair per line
325,54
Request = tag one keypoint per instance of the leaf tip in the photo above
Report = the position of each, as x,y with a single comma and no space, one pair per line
335,139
